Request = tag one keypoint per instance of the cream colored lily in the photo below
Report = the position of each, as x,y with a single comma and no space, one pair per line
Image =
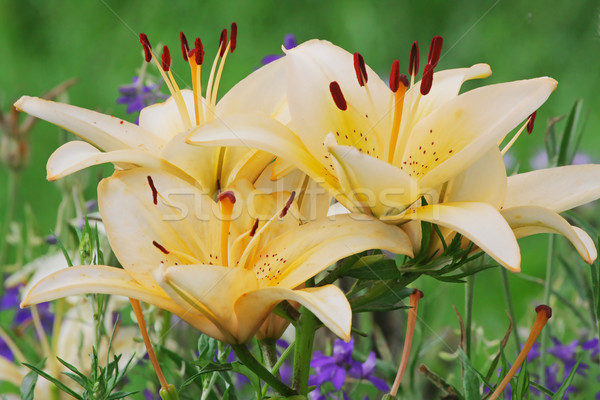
379,152
159,140
221,266
530,202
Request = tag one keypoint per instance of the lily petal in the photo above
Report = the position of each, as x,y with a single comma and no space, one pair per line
254,131
558,189
109,280
103,131
380,186
529,220
484,181
479,222
321,243
180,221
164,120
263,91
453,137
328,303
76,155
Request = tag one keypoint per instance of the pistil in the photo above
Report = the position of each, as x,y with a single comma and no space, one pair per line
544,313
226,200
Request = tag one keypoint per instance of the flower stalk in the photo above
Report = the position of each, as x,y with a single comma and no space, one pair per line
410,330
544,313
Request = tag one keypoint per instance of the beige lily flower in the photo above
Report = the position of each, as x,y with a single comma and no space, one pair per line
380,151
221,266
530,202
159,140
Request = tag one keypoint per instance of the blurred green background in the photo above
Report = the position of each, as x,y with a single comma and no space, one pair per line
43,43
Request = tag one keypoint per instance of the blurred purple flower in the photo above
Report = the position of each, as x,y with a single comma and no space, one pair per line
540,160
137,96
591,345
289,42
339,365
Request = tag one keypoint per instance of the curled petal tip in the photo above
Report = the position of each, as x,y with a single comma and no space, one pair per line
19,103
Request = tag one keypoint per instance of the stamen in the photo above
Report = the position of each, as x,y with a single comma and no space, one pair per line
514,139
530,123
360,69
395,76
287,205
154,191
147,48
338,97
169,79
402,83
233,36
199,53
544,313
227,200
222,42
413,61
185,48
166,59
254,228
160,247
427,80
410,330
435,50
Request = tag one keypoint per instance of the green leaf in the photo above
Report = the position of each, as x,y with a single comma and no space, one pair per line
471,380
28,385
521,390
570,139
55,381
562,390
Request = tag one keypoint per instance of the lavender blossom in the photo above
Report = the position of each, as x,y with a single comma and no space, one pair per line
289,42
138,96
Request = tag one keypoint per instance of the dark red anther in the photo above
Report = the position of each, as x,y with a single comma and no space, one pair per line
166,59
160,247
222,42
544,308
427,80
287,205
435,49
199,51
395,76
530,122
404,80
154,191
233,36
185,48
254,228
418,293
360,69
147,48
413,61
229,195
338,96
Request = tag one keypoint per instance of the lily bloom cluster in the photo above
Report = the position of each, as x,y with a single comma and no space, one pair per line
217,211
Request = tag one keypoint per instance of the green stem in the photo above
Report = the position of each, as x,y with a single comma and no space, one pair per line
305,336
244,355
545,335
469,291
267,347
11,200
509,305
278,365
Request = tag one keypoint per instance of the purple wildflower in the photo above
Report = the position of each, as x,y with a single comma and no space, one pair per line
289,42
137,96
339,365
591,345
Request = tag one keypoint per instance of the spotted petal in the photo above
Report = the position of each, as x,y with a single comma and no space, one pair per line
453,137
103,131
529,220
